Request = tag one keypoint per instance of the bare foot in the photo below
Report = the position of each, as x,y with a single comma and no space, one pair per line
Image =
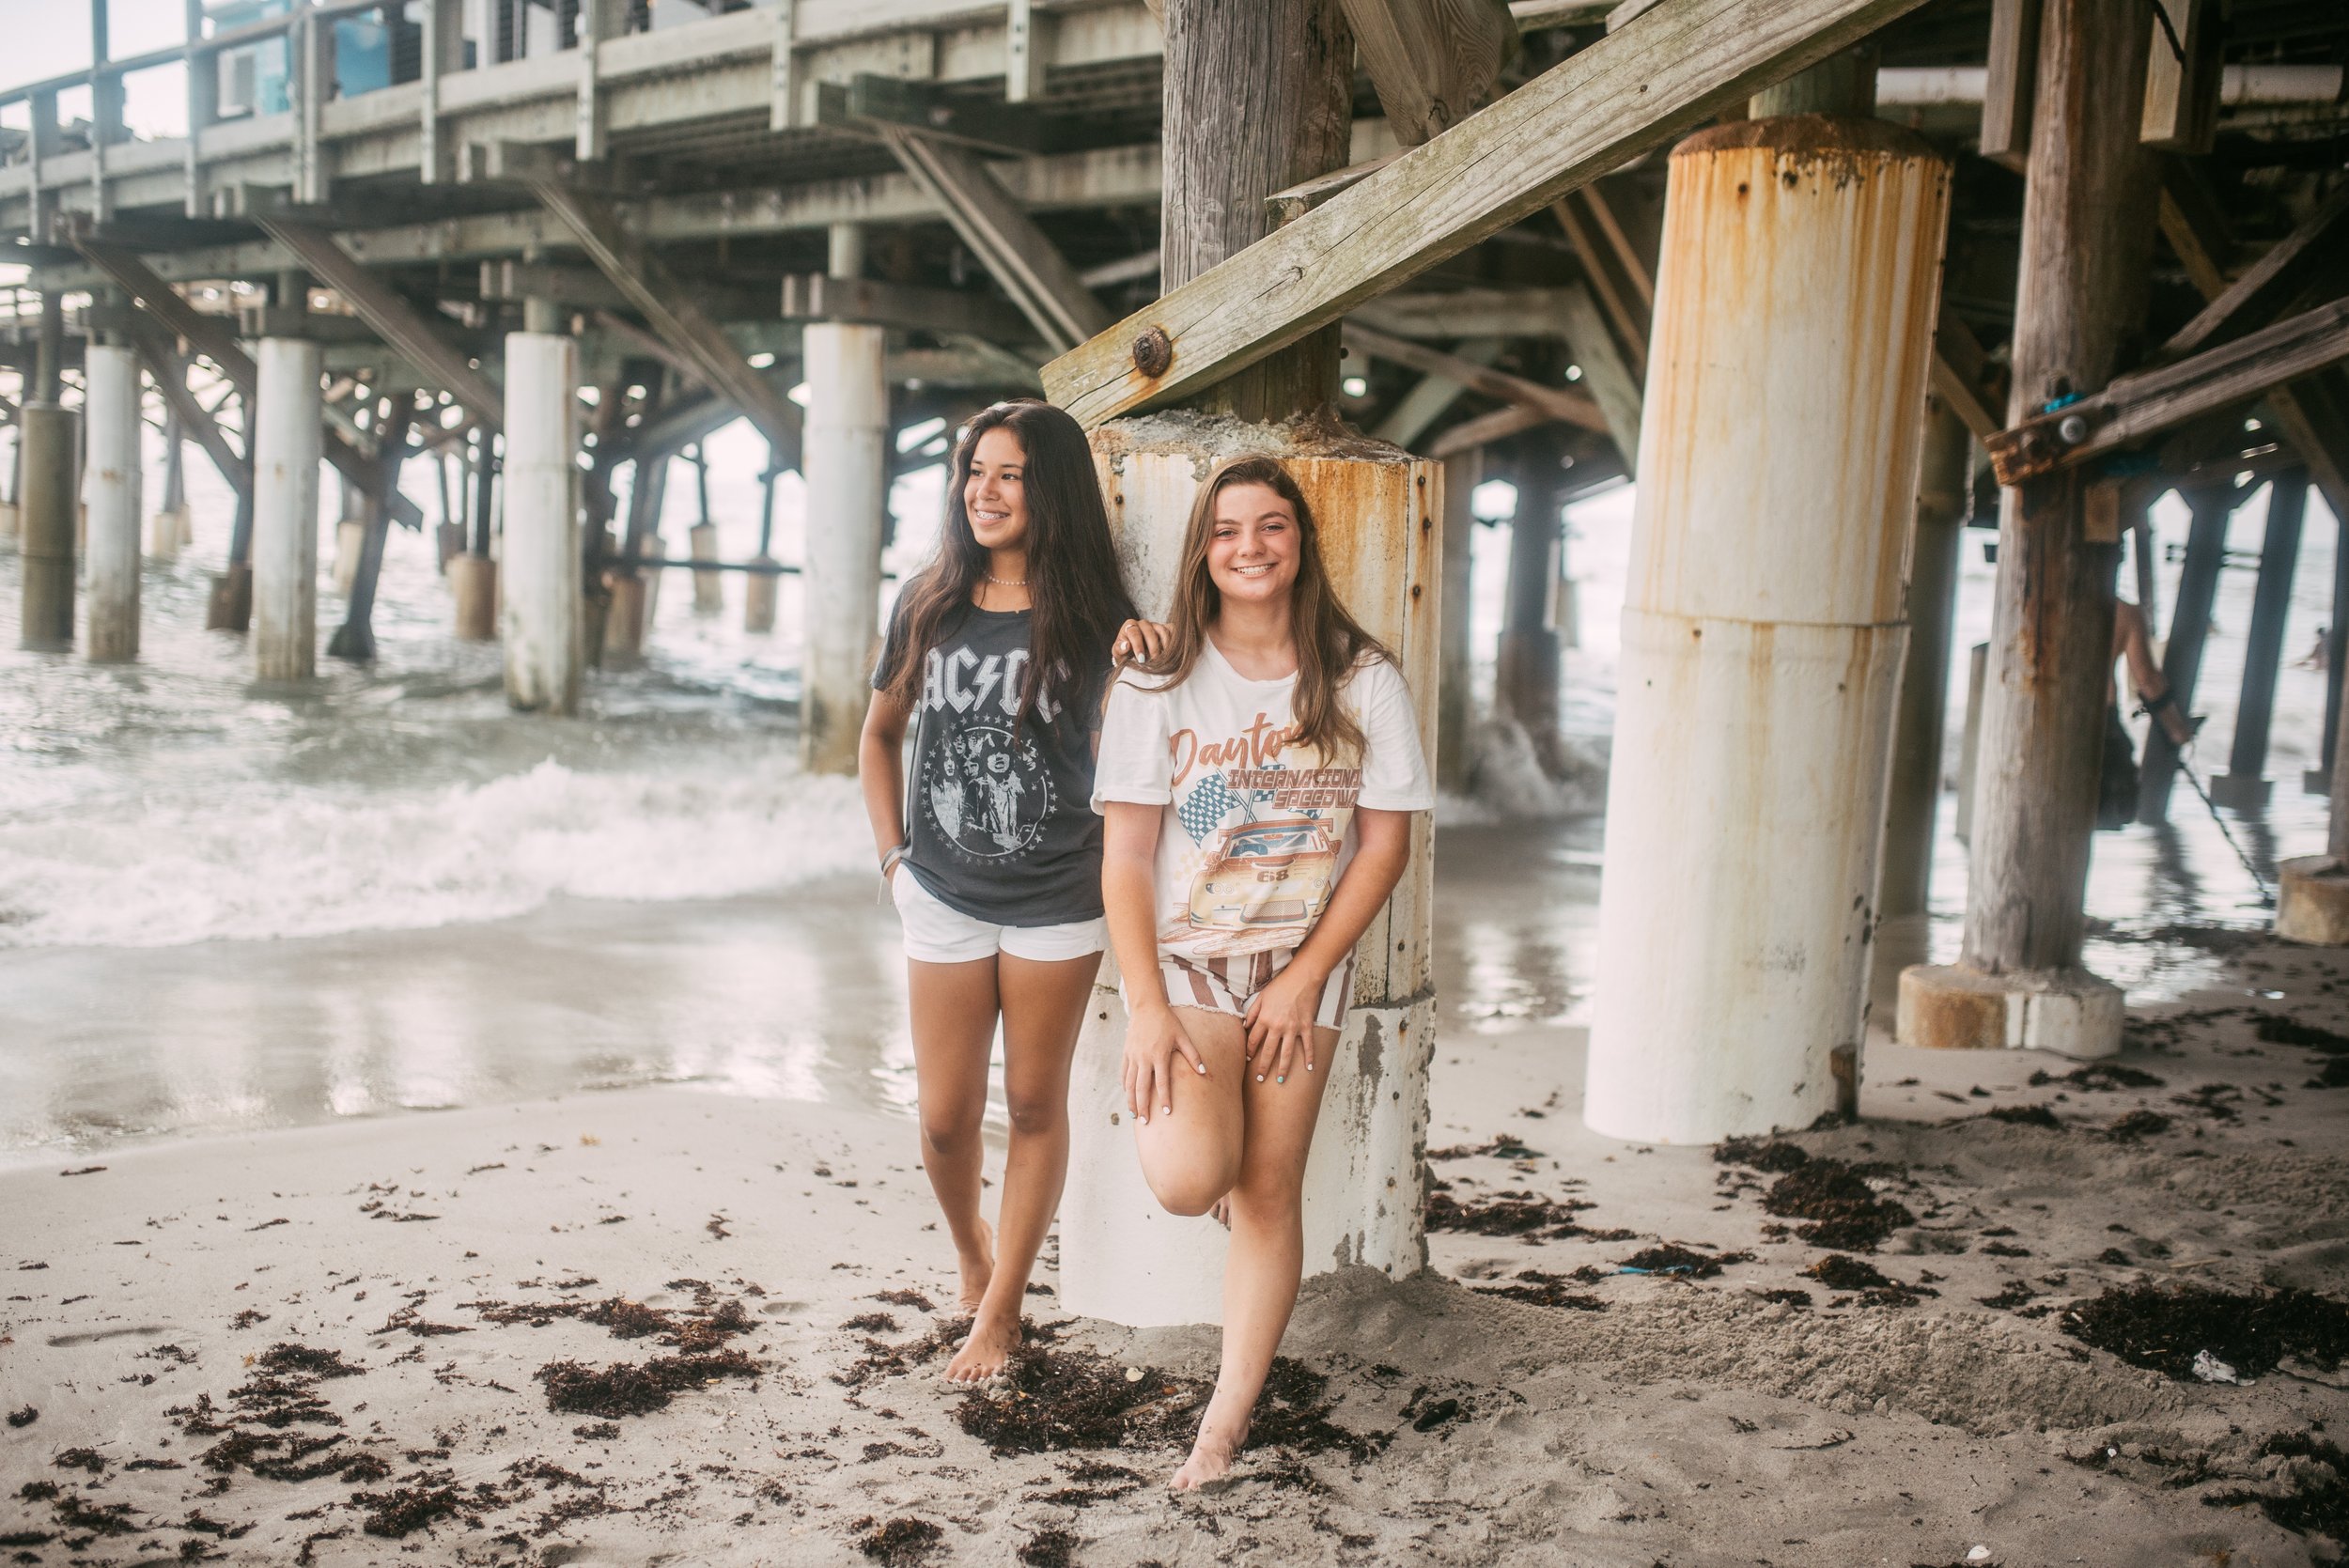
1211,1453
988,1351
977,1270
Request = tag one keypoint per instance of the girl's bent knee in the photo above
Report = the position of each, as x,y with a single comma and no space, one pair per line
1037,1118
1190,1193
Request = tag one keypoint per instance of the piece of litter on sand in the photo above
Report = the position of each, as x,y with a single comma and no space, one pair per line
1133,1375
2210,1369
1978,1554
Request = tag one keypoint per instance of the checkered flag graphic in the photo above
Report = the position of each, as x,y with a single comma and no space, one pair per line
1205,808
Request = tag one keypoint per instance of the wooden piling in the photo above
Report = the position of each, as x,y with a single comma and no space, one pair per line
47,506
1456,694
2244,785
2089,213
2208,509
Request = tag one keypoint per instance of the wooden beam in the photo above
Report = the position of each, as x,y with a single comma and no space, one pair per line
1623,305
586,288
2010,83
2195,228
819,296
2135,407
1635,89
653,346
2318,247
1635,268
655,294
394,319
989,219
215,339
2182,68
1467,312
1133,270
1551,403
1435,392
866,102
1963,399
154,342
1470,435
1433,61
1605,371
1302,198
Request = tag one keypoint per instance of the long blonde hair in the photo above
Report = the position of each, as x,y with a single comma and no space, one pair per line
1331,644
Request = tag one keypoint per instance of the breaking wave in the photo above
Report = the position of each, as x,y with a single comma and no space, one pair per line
271,860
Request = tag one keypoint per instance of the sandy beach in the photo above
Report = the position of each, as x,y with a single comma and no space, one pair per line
393,1336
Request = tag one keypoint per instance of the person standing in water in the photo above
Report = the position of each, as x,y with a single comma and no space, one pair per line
1256,783
995,657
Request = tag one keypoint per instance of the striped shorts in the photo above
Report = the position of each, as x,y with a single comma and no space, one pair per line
1225,985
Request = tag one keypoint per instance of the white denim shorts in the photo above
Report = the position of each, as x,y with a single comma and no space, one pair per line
936,933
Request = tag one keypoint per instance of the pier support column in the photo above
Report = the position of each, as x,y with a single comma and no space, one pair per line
762,590
2088,229
110,499
1913,805
2244,787
540,622
1762,632
472,577
47,506
1528,663
846,444
286,457
1122,1256
1455,683
170,530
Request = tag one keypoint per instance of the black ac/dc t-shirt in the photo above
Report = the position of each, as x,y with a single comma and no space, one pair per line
999,826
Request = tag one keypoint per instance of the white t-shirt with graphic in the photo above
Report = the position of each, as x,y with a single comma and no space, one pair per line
1257,830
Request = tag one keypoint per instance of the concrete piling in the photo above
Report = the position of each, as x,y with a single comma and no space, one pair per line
286,456
47,506
847,432
1762,631
542,602
1123,1257
111,496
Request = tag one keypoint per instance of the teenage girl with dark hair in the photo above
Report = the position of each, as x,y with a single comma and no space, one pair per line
995,657
1256,781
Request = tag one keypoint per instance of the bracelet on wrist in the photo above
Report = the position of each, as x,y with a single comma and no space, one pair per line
890,857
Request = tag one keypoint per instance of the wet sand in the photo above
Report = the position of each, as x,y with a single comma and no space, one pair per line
729,1149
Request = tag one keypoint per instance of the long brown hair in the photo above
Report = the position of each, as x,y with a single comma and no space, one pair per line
1331,644
1073,580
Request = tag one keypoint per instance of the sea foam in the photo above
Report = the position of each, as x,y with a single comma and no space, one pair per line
264,859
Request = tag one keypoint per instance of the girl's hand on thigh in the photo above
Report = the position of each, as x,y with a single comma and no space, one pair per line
1141,642
1156,1043
1280,1021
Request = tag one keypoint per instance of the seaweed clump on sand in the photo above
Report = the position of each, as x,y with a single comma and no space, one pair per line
2315,1476
2026,1116
1772,1157
2166,1330
407,1509
1844,1211
1673,1258
900,1543
1050,1547
1514,1213
281,1394
1500,1145
2099,1075
637,1388
1542,1289
2137,1124
1874,1288
2334,1074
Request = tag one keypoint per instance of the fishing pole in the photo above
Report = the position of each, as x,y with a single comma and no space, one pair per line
2267,899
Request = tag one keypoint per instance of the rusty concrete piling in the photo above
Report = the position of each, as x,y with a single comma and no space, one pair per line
46,509
1762,630
1123,1257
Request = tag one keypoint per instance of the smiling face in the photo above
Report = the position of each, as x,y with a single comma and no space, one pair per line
1253,552
995,493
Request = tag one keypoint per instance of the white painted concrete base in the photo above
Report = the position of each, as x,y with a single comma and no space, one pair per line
2069,1012
1140,1266
540,603
111,501
169,533
350,541
2312,902
286,457
473,580
759,596
710,592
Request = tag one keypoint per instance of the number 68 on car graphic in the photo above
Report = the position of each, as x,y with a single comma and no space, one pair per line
1260,874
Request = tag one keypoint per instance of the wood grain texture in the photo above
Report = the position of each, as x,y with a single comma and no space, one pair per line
2010,82
2182,80
2319,247
1433,62
1613,386
1258,98
2087,241
1661,74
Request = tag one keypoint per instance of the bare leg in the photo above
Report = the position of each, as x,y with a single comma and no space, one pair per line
954,1008
1191,1158
1044,1005
1268,1252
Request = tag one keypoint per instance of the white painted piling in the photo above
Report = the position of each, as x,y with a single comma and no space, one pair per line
111,496
540,616
1123,1257
286,454
1763,628
847,429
